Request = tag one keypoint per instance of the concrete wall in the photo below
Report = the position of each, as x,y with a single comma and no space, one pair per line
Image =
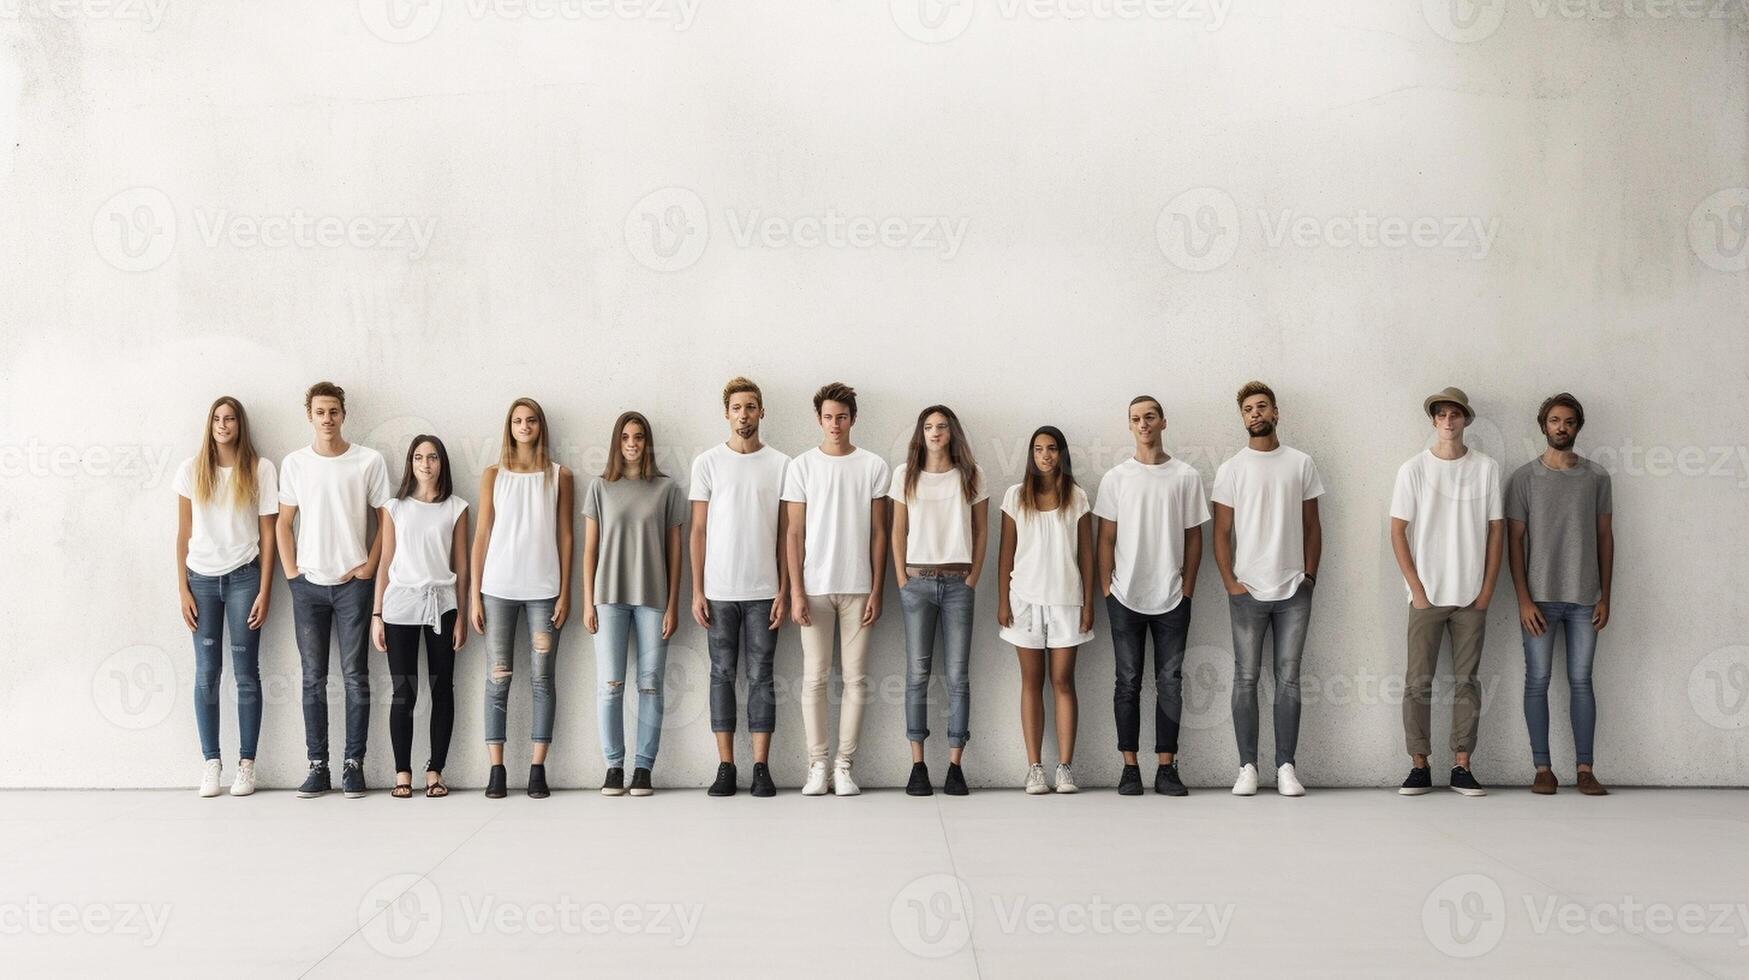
1029,214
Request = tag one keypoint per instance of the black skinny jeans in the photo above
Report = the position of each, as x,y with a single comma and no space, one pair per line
403,643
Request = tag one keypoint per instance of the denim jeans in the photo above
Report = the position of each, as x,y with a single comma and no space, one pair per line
221,601
1129,639
1539,654
931,602
318,611
738,627
1286,621
403,644
543,642
617,622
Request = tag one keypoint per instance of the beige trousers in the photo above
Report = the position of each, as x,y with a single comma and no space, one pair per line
839,614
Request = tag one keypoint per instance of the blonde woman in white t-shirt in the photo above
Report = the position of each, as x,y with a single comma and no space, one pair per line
941,519
420,587
226,506
1045,595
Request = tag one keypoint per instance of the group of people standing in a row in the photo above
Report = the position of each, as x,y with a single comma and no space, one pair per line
806,539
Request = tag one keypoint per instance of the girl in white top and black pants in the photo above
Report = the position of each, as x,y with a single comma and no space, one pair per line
425,556
1045,595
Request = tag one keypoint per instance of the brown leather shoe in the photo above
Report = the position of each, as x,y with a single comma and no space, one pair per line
1545,783
1589,785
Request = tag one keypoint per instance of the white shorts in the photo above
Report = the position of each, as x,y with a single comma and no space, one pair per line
1044,627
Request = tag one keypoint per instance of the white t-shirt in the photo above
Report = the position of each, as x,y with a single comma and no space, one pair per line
1153,506
1265,491
938,520
740,533
1046,570
225,537
421,577
1448,504
839,492
333,495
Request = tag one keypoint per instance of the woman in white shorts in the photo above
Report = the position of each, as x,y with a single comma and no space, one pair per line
1045,595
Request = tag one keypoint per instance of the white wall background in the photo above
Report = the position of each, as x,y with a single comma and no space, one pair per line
1603,153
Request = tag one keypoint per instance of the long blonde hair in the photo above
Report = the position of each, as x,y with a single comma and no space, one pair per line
507,449
206,461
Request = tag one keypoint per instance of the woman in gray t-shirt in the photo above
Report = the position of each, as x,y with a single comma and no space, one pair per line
631,574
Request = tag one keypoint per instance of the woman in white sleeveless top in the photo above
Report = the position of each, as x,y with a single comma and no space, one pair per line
522,567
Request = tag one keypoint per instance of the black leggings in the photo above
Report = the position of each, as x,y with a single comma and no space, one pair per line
403,642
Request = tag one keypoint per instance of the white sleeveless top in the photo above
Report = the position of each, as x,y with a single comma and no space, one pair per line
421,578
522,555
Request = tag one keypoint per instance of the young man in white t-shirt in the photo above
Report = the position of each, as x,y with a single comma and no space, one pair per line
1151,512
1267,544
837,543
328,492
740,582
1448,525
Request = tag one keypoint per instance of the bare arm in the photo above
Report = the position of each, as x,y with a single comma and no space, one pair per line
1224,549
1084,558
980,540
701,607
901,528
671,614
458,563
1107,554
1491,570
264,594
477,554
796,546
1605,568
1406,563
1005,572
779,602
1192,559
877,557
185,530
288,540
378,629
1529,616
1313,529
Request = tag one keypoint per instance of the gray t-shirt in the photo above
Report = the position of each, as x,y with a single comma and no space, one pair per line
1559,509
634,516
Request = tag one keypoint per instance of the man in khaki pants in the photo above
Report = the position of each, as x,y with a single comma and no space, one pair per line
1447,529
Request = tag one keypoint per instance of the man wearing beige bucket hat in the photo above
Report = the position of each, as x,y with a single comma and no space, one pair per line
1447,530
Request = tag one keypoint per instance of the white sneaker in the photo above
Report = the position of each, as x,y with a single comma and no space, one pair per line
1035,780
209,778
1287,783
818,780
244,784
842,784
1246,785
1066,779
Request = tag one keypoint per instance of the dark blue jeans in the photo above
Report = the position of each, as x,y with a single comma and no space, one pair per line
737,628
319,612
1286,621
1129,640
221,601
938,603
1539,655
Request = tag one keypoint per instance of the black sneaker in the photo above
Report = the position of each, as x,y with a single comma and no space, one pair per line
641,782
317,782
1464,782
1167,783
762,784
725,783
537,782
1130,783
352,779
496,784
919,782
956,781
1419,782
615,783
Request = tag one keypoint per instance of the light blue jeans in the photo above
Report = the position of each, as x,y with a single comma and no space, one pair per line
1539,656
616,624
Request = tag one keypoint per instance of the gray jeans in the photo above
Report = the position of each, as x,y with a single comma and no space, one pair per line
737,628
543,636
1286,621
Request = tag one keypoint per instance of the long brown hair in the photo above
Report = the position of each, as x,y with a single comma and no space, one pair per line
1034,484
616,461
507,448
206,462
410,483
957,450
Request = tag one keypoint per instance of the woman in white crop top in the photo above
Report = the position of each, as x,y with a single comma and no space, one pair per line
521,567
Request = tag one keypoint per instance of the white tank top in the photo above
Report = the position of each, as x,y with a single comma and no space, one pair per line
522,555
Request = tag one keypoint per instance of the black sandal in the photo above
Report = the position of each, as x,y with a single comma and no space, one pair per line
402,791
435,789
